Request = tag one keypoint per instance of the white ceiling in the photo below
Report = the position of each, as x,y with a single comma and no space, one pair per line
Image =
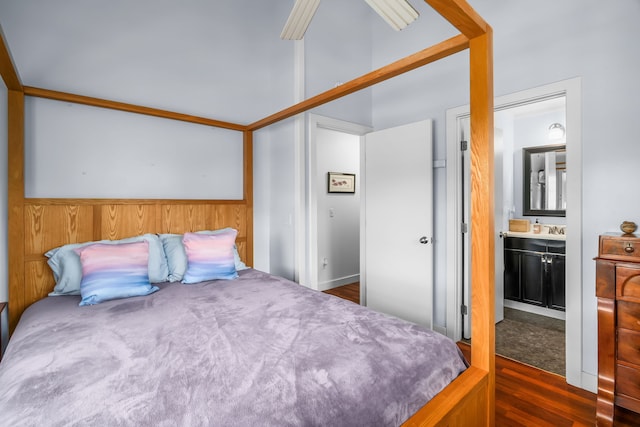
184,56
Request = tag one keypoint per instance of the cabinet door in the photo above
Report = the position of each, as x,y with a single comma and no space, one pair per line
556,283
531,276
512,275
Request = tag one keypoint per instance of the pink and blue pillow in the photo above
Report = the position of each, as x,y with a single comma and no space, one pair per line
114,271
177,256
67,268
210,256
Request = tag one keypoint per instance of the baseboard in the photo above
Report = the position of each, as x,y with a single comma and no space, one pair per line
590,382
530,308
341,281
440,329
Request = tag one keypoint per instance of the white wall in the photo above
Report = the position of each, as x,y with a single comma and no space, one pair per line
338,47
532,131
74,150
338,213
580,38
280,180
206,58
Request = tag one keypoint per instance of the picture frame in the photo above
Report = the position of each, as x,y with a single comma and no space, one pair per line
338,182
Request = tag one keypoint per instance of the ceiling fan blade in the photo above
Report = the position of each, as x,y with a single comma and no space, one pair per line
398,13
299,19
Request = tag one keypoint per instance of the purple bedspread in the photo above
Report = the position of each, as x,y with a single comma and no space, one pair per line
256,351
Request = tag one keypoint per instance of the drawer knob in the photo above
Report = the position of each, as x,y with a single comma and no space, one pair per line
629,248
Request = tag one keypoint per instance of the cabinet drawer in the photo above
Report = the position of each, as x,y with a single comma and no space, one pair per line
525,244
629,347
622,248
628,381
628,314
628,281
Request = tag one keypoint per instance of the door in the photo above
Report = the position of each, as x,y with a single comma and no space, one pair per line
397,221
464,129
557,272
532,277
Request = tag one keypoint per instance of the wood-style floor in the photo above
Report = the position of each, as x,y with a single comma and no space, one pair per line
527,396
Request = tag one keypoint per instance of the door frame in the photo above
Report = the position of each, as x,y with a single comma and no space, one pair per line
571,89
308,264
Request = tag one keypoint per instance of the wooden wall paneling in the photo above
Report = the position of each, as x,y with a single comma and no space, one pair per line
50,226
121,221
15,199
38,281
221,216
182,218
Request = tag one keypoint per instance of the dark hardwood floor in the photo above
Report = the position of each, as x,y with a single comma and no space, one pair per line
527,396
349,292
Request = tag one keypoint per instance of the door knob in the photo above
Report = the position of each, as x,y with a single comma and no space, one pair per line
424,240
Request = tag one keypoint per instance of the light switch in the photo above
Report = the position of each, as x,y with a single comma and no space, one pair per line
332,212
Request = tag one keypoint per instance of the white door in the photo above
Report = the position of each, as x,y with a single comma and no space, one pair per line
499,219
397,222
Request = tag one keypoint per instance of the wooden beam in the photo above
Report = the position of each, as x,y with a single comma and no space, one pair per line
7,69
130,108
460,15
411,62
482,212
15,199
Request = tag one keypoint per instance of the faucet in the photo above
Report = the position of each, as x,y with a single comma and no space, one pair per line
554,229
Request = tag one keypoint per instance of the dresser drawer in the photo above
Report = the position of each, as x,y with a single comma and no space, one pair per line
628,382
621,248
628,315
629,346
628,281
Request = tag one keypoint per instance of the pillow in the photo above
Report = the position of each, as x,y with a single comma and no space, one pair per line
209,256
67,270
177,257
114,271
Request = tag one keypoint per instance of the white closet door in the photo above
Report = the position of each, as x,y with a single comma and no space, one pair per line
397,221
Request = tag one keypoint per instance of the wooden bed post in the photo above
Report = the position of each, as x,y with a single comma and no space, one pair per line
482,224
15,214
248,192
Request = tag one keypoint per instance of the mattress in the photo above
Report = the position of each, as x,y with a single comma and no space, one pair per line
258,350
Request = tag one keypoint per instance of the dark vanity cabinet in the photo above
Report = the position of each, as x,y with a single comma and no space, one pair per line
534,271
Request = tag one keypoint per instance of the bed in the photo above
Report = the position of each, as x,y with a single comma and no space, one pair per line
37,225
256,350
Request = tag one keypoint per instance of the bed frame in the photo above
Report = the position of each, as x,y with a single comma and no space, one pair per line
37,225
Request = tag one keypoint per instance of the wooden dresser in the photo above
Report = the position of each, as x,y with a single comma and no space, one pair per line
618,292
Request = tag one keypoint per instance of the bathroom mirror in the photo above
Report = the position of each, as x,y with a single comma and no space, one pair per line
545,180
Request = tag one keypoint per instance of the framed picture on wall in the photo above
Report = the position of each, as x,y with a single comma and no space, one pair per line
341,182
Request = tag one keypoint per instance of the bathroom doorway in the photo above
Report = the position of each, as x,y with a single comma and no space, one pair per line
530,103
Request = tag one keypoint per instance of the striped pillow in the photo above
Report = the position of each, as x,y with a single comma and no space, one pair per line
210,256
114,271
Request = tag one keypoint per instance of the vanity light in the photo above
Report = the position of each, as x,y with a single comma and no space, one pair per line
556,131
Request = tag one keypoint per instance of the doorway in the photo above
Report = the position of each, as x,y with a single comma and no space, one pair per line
333,218
570,89
397,208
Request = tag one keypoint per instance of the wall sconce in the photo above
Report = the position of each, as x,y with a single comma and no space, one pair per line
556,131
